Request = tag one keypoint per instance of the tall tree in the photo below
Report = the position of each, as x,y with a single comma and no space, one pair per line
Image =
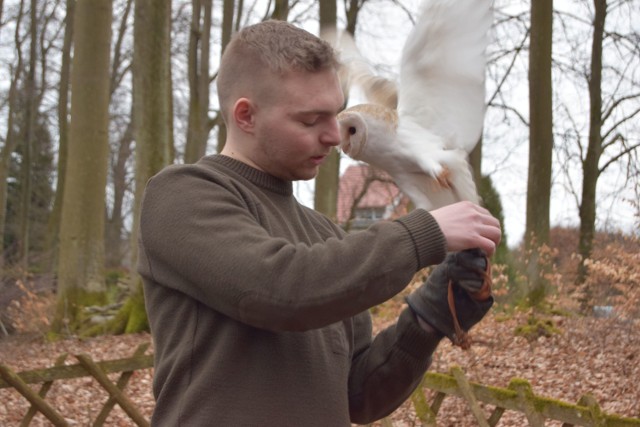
29,141
199,47
610,109
540,144
227,31
116,218
121,150
594,149
53,226
152,131
81,263
610,118
475,160
281,9
326,191
151,95
351,9
11,140
152,124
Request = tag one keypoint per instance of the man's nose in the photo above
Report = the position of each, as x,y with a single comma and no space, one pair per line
331,135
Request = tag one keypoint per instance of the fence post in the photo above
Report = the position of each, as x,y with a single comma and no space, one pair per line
525,397
468,395
42,406
590,402
426,414
106,383
121,384
46,386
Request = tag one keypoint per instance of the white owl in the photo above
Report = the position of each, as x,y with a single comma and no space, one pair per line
424,143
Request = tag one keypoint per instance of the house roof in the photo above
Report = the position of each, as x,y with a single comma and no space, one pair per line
370,188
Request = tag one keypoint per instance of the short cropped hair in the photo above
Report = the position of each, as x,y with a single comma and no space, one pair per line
269,46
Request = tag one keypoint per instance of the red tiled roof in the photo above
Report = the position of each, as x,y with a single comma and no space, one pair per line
380,193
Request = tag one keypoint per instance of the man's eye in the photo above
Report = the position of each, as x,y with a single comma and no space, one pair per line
309,121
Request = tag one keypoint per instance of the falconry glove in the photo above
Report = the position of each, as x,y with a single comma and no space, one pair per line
456,295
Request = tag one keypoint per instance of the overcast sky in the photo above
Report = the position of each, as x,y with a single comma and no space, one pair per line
383,28
505,152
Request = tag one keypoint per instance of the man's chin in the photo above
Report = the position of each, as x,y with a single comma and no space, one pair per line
307,175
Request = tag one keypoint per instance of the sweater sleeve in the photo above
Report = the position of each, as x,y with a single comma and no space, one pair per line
203,236
388,369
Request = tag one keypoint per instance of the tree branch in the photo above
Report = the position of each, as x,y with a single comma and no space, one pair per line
618,156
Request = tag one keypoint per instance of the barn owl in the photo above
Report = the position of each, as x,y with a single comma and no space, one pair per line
424,141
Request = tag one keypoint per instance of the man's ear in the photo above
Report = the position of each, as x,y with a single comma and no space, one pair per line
244,114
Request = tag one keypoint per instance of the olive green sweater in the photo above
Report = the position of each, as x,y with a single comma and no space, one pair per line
258,306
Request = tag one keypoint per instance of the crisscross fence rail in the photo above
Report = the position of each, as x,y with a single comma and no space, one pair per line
85,367
518,396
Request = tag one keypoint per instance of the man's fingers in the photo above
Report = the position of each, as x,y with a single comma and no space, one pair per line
467,225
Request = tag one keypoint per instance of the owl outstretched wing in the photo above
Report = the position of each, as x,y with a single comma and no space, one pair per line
356,71
440,104
442,71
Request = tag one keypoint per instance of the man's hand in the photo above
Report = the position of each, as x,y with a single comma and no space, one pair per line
466,225
455,296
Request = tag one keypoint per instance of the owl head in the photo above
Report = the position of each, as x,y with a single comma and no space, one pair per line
360,123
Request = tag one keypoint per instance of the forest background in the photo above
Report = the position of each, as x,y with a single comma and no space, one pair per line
97,95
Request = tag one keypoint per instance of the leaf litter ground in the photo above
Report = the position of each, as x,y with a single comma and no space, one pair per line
589,356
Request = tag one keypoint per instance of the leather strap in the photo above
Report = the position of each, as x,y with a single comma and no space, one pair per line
461,337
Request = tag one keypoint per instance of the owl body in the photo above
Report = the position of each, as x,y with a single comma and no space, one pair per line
424,141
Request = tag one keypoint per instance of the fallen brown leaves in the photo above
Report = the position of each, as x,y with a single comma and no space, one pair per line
79,400
590,356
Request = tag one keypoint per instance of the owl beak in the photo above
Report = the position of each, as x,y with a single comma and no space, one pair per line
347,132
345,142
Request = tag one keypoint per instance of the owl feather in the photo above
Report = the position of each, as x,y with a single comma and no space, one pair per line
423,142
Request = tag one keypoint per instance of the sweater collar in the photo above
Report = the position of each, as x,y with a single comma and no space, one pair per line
255,176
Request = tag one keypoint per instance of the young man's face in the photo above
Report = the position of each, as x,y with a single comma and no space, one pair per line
295,124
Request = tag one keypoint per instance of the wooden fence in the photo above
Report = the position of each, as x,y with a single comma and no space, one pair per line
86,367
518,396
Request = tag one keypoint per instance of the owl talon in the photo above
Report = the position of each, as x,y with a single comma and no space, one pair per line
443,178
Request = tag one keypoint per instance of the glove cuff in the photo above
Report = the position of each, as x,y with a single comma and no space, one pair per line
441,318
418,308
416,341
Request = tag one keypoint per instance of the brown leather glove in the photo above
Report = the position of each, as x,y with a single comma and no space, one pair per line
456,295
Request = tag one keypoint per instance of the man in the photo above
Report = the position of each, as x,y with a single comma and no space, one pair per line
257,304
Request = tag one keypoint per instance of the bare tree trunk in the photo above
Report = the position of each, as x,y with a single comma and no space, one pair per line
10,141
540,144
326,191
152,118
227,31
152,114
5,159
53,227
29,141
116,64
115,221
114,224
81,264
281,10
475,160
352,14
594,151
199,39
